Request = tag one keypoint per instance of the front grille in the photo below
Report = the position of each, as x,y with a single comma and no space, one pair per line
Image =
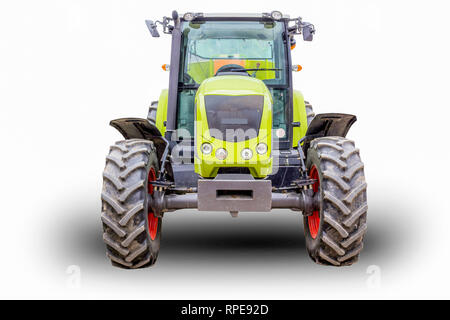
234,118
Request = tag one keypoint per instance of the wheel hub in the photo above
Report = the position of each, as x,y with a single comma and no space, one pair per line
152,219
314,219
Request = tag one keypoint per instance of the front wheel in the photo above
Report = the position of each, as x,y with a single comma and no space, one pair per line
131,231
309,112
334,234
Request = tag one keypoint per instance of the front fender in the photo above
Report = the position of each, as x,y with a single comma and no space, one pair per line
328,124
331,124
137,128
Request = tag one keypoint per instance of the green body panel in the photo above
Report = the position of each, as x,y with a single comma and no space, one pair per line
161,111
299,115
208,165
200,71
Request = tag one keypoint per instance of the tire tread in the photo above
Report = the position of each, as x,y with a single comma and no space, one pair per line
344,202
123,204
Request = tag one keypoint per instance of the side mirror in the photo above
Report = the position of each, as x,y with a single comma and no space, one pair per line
152,28
308,32
175,15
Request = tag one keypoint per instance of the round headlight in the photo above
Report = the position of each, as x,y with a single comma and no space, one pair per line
261,148
246,154
188,16
276,15
221,154
206,148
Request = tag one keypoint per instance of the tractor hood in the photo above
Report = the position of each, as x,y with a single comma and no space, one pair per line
233,85
233,113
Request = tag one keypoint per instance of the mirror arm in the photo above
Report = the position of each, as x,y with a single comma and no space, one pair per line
299,27
167,28
296,28
292,30
152,26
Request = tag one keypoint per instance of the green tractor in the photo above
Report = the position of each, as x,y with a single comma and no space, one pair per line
231,134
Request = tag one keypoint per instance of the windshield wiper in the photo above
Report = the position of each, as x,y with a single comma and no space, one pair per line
254,69
188,85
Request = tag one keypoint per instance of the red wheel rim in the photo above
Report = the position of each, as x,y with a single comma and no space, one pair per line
152,219
314,219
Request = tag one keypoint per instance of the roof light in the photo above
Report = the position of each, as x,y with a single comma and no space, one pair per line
189,16
276,15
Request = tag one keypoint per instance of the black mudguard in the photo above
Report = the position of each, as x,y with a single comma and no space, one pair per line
328,124
137,128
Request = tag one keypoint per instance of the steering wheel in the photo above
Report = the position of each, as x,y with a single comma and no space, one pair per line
230,69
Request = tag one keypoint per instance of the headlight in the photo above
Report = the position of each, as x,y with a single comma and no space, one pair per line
276,15
261,148
221,154
246,154
206,148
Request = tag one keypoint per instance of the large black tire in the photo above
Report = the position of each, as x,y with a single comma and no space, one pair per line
152,112
131,233
337,238
309,112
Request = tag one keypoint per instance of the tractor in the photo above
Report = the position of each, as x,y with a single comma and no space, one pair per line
231,134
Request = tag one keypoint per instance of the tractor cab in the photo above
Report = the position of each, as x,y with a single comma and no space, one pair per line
252,49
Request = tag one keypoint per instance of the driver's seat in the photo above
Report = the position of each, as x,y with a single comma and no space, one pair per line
226,70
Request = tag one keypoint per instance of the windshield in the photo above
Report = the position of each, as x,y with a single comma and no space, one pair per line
208,46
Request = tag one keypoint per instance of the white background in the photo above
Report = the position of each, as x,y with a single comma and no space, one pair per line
68,67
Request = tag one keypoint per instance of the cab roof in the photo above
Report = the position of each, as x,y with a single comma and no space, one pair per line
222,15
